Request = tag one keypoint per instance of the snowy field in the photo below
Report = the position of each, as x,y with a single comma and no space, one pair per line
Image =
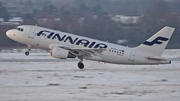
39,77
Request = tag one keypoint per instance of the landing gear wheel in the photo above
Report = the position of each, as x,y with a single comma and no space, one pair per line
81,65
26,53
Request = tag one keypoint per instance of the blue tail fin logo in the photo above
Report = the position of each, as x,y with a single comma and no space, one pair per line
156,41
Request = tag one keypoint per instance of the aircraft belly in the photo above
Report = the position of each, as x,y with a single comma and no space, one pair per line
94,58
116,59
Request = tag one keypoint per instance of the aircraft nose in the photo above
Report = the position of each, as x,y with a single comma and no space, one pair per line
8,33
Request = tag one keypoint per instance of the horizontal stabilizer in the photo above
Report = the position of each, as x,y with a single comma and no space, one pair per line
157,58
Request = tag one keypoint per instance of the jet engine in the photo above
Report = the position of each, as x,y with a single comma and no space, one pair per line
60,53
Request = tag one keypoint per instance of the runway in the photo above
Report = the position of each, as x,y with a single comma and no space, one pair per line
39,77
54,81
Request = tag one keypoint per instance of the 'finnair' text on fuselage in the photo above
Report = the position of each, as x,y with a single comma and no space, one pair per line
76,41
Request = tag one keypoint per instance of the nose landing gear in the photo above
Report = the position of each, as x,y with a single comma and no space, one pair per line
26,53
29,48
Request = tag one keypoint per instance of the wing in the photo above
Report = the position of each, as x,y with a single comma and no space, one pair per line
88,51
85,52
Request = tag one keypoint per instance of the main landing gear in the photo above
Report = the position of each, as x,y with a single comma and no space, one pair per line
80,64
29,48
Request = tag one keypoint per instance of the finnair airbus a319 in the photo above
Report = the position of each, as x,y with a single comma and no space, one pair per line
65,45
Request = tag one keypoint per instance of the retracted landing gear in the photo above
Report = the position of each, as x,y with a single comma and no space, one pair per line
29,48
81,65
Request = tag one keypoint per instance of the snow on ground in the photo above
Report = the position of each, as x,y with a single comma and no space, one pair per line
171,53
63,81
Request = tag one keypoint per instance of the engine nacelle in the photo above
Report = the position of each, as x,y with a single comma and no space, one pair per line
61,53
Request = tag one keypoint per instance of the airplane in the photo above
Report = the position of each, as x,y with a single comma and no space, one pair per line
64,45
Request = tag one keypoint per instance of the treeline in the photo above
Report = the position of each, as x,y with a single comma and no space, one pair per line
93,18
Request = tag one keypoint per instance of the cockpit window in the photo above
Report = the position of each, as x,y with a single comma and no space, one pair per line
20,29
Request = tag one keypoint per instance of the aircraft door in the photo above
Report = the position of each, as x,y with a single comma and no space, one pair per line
132,56
32,32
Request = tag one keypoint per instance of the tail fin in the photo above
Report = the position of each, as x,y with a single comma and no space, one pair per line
158,42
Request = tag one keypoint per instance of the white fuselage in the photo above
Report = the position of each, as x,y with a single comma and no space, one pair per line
43,37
